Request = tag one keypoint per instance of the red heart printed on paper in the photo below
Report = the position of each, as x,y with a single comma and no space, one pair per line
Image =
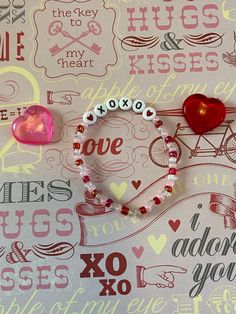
136,184
138,251
202,113
34,127
174,224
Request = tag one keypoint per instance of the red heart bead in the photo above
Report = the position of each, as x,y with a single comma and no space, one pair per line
202,113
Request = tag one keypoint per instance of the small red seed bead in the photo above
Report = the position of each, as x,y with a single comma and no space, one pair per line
173,154
172,171
156,200
108,202
158,123
124,210
169,139
168,188
94,193
143,210
79,162
80,128
76,145
86,179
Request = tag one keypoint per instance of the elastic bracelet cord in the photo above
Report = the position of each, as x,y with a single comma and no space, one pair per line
149,114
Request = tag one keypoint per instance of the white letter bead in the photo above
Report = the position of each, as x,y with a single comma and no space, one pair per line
149,113
89,117
125,103
100,110
112,104
138,106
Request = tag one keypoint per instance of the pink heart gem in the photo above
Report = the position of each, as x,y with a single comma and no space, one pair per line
34,127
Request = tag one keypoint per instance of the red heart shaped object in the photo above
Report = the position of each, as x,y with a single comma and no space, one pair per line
136,184
174,224
202,113
34,127
90,117
149,113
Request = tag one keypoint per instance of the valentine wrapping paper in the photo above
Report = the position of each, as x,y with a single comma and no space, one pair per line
60,252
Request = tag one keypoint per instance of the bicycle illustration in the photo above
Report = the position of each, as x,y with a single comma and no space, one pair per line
218,142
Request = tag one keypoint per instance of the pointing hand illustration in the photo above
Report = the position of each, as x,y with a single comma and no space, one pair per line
162,276
62,97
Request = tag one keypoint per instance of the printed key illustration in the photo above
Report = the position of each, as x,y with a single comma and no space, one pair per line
56,28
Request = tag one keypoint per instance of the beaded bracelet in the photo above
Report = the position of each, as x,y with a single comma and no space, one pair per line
149,114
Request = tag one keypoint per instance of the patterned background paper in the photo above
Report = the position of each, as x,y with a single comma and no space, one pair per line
58,256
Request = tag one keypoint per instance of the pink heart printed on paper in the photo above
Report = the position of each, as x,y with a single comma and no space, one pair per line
34,127
138,251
